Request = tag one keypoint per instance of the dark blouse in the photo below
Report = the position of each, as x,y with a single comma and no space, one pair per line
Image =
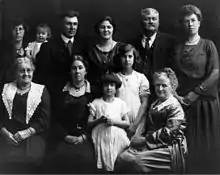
101,62
39,121
196,65
8,54
73,115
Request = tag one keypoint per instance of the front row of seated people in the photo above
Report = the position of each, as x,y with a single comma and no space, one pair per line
89,131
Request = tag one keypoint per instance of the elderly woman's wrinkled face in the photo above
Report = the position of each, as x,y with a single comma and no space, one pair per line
78,71
18,32
163,88
191,24
106,30
24,73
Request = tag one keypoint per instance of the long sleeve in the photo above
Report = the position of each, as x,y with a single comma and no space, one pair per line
172,130
212,76
41,119
2,112
42,64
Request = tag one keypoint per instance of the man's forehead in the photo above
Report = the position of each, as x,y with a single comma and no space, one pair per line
70,19
149,11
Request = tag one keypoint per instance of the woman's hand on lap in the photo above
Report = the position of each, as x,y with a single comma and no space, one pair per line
137,141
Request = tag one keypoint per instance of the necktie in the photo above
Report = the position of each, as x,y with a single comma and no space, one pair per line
147,44
69,46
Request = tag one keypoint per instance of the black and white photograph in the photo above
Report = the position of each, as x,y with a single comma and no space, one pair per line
109,87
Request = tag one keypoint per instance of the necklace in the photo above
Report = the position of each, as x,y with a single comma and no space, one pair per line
77,91
193,41
107,48
21,91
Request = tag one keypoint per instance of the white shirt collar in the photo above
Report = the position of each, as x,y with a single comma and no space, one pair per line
66,40
151,41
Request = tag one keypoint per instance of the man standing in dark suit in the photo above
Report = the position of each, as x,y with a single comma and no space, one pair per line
155,48
54,59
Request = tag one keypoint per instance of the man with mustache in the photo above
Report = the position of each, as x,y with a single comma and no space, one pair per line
54,59
155,48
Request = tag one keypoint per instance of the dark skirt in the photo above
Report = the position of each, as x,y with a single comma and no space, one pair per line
203,136
68,158
24,158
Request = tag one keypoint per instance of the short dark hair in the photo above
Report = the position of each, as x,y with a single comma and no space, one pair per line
111,78
79,58
105,18
123,49
45,26
69,13
189,9
16,22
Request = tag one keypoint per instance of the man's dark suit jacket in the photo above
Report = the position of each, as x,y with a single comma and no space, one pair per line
159,55
53,67
53,64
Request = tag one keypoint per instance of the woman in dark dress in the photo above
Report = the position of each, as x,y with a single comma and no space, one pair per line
102,54
196,64
12,49
24,118
73,148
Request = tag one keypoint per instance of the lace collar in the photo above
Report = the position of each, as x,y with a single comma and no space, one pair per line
33,99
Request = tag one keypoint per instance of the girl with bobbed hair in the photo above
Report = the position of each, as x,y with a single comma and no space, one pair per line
196,63
108,119
102,54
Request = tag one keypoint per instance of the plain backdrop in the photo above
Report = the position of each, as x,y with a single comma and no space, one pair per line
126,14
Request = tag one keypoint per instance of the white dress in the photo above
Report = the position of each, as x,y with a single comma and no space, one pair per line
133,87
32,49
108,141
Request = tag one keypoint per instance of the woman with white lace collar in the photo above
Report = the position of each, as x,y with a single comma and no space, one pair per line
24,117
73,149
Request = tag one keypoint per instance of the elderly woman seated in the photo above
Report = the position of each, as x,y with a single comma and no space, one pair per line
24,118
161,147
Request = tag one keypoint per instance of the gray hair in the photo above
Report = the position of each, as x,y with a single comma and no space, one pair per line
147,11
22,60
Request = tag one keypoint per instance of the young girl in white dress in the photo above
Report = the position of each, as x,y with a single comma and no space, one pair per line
43,33
109,119
134,89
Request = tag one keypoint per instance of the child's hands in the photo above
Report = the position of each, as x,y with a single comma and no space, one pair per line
107,120
110,122
103,119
